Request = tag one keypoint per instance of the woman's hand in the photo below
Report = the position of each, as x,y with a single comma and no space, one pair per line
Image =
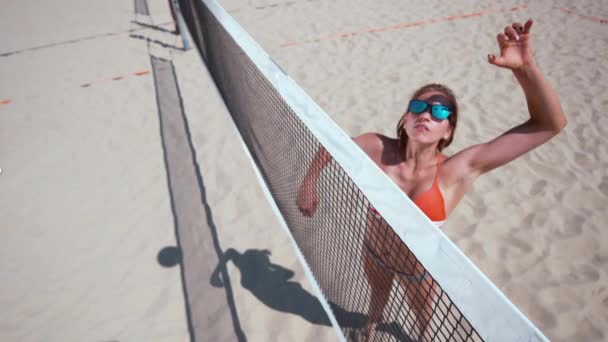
307,199
515,47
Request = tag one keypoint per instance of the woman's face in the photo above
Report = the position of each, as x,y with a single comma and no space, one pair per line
424,128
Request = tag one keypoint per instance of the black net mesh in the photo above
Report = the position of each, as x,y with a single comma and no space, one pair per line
375,286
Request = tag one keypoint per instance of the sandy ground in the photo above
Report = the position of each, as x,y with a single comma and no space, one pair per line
84,198
88,204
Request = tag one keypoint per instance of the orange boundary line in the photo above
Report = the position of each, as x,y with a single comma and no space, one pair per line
588,17
4,102
139,73
115,78
405,25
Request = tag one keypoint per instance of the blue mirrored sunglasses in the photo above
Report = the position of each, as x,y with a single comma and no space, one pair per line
438,111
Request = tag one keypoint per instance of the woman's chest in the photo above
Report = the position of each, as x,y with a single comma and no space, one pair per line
412,183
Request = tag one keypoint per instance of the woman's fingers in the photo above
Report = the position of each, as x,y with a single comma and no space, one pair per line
502,39
515,30
310,210
498,61
523,29
518,27
514,45
528,25
307,206
511,33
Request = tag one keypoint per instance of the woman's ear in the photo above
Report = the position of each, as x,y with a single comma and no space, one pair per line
449,133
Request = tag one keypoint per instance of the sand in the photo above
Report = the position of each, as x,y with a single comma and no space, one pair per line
88,203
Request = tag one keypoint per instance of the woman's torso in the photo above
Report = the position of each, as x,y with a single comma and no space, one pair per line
421,183
435,188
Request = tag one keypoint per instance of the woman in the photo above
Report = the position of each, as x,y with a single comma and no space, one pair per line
435,182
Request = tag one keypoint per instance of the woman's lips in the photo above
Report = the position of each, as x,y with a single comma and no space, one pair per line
421,127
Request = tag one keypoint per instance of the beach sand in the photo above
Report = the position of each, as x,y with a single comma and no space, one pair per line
89,200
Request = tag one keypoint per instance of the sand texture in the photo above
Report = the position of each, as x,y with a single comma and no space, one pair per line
102,168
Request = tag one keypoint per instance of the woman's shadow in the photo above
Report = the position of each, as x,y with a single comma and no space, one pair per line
271,285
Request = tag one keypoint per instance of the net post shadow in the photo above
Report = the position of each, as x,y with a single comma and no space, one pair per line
194,224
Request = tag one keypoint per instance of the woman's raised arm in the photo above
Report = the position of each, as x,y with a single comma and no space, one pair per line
546,120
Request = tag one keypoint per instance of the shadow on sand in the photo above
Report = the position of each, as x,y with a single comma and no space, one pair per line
271,284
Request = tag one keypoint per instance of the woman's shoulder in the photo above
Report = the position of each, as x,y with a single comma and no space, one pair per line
372,141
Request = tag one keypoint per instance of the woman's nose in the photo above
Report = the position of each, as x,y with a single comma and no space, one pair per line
425,115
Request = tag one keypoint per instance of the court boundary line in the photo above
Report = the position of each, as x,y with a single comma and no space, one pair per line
583,16
405,25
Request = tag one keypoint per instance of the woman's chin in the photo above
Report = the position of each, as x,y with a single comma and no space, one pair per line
421,139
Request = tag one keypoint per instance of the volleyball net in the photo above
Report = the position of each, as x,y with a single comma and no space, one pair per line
389,265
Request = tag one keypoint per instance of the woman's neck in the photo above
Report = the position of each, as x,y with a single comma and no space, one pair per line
420,155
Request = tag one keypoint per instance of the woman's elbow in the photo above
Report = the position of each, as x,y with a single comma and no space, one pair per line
561,124
556,125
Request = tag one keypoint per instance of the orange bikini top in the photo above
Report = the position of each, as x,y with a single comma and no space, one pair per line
431,202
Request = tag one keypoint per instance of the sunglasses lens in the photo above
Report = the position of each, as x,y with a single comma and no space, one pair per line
441,112
417,106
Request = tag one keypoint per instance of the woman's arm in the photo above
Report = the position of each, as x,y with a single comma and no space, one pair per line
320,160
307,198
546,120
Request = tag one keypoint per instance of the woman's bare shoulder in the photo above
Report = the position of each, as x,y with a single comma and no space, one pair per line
367,140
373,144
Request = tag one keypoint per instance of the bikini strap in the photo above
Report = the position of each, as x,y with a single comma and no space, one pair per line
437,169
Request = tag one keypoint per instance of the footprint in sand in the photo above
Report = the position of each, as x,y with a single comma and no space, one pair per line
603,187
583,274
538,187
